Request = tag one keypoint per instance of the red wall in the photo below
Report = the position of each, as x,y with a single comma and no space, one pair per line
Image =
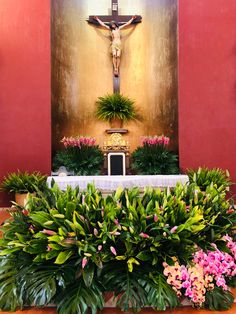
25,127
207,84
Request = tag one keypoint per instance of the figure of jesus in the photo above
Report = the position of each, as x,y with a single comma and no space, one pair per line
116,45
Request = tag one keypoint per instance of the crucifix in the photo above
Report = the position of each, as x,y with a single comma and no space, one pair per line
115,23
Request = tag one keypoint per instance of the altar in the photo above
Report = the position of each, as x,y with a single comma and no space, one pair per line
111,183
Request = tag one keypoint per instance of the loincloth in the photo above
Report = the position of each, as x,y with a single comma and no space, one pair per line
116,46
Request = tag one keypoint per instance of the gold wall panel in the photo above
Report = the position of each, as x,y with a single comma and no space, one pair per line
82,68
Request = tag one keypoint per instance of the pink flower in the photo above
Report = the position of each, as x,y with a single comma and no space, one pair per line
69,241
114,232
173,230
84,262
227,238
25,212
78,141
155,218
113,250
220,282
116,221
48,232
155,140
82,217
208,268
144,235
99,248
31,228
83,199
189,293
186,284
166,140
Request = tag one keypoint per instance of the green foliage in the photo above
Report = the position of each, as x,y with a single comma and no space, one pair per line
159,294
24,182
115,106
154,159
138,289
79,298
127,289
219,299
203,177
70,247
39,284
10,299
84,160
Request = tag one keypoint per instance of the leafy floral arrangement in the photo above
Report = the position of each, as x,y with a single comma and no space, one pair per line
70,247
208,271
23,182
153,157
203,176
115,106
78,141
80,155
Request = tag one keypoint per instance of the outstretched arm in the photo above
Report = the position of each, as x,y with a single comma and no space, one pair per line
101,22
129,22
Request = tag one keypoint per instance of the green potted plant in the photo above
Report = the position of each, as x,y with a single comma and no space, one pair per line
23,183
80,155
116,109
204,176
153,157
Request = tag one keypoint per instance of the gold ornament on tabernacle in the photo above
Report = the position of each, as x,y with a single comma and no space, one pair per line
116,142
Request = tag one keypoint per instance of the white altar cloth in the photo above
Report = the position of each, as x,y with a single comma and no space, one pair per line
111,183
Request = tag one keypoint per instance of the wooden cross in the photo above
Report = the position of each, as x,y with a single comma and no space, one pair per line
120,20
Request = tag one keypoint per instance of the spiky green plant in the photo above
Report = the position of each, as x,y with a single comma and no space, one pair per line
24,182
83,160
204,176
154,159
115,106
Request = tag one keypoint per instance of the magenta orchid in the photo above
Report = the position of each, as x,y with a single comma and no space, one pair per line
155,140
209,269
78,141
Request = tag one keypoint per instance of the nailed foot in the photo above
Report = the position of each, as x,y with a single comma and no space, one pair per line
116,72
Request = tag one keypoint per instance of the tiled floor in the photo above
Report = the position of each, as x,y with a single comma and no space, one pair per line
184,310
187,310
34,311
